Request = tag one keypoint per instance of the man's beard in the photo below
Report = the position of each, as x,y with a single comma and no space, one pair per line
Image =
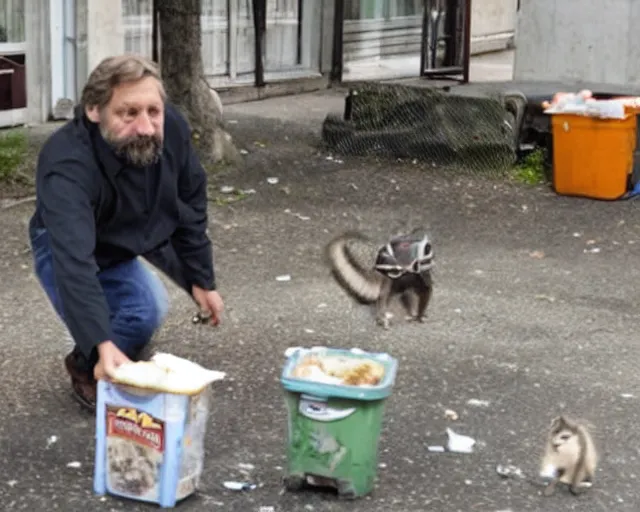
138,150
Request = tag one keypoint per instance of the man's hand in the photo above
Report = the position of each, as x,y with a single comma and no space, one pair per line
109,358
209,302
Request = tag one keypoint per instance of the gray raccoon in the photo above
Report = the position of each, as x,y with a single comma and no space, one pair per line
402,267
569,457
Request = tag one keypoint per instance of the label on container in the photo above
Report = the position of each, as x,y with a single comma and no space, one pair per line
135,444
320,411
135,425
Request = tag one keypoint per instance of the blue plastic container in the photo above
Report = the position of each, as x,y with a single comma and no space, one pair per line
149,446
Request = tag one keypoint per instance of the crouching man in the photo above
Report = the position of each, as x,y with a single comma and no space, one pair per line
118,181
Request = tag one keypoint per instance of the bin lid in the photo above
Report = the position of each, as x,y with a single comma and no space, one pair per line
355,362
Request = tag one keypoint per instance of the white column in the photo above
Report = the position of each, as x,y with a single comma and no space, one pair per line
100,34
105,30
38,67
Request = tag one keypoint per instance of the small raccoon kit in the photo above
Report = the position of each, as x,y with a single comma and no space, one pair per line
569,456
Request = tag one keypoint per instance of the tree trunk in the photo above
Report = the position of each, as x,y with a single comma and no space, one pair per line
183,73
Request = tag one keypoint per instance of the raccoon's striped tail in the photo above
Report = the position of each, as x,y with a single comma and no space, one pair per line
361,282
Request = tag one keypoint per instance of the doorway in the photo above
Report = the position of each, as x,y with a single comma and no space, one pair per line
381,38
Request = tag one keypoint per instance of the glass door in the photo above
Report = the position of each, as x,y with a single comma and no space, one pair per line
293,38
381,39
445,39
228,42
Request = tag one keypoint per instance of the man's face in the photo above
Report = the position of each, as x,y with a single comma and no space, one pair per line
133,121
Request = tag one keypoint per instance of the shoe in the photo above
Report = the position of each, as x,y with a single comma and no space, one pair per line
83,384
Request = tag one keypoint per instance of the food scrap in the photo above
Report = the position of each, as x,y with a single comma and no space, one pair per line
342,370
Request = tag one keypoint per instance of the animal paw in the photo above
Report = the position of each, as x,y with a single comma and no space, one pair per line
576,490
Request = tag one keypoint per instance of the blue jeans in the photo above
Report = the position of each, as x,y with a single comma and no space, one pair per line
137,298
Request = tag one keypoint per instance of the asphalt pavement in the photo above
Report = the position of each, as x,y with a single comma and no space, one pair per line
534,314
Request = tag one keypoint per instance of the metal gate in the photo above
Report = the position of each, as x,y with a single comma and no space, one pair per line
446,39
401,39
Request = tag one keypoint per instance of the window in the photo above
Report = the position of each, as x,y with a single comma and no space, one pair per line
381,9
12,21
136,7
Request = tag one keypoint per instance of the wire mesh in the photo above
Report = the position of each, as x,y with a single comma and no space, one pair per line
430,125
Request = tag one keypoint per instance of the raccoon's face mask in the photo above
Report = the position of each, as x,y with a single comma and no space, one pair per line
407,254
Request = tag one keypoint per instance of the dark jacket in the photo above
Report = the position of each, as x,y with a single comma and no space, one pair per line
98,212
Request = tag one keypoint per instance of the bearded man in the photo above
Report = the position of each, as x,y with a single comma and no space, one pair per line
118,181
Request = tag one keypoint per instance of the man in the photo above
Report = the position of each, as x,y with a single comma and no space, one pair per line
120,180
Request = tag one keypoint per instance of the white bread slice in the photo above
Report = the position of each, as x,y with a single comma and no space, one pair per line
166,373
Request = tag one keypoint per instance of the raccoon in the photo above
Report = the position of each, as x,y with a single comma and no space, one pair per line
569,457
401,267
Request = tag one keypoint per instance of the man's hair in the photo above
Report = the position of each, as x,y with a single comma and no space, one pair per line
114,71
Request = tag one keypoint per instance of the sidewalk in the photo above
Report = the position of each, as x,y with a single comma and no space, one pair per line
495,66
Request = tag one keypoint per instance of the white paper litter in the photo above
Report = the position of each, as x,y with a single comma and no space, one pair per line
459,443
74,464
450,414
509,471
298,215
478,403
272,180
239,486
167,373
283,278
439,449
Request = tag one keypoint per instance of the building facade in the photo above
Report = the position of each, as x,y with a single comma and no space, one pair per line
48,47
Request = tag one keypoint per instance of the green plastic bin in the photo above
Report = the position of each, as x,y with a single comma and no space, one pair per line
334,429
